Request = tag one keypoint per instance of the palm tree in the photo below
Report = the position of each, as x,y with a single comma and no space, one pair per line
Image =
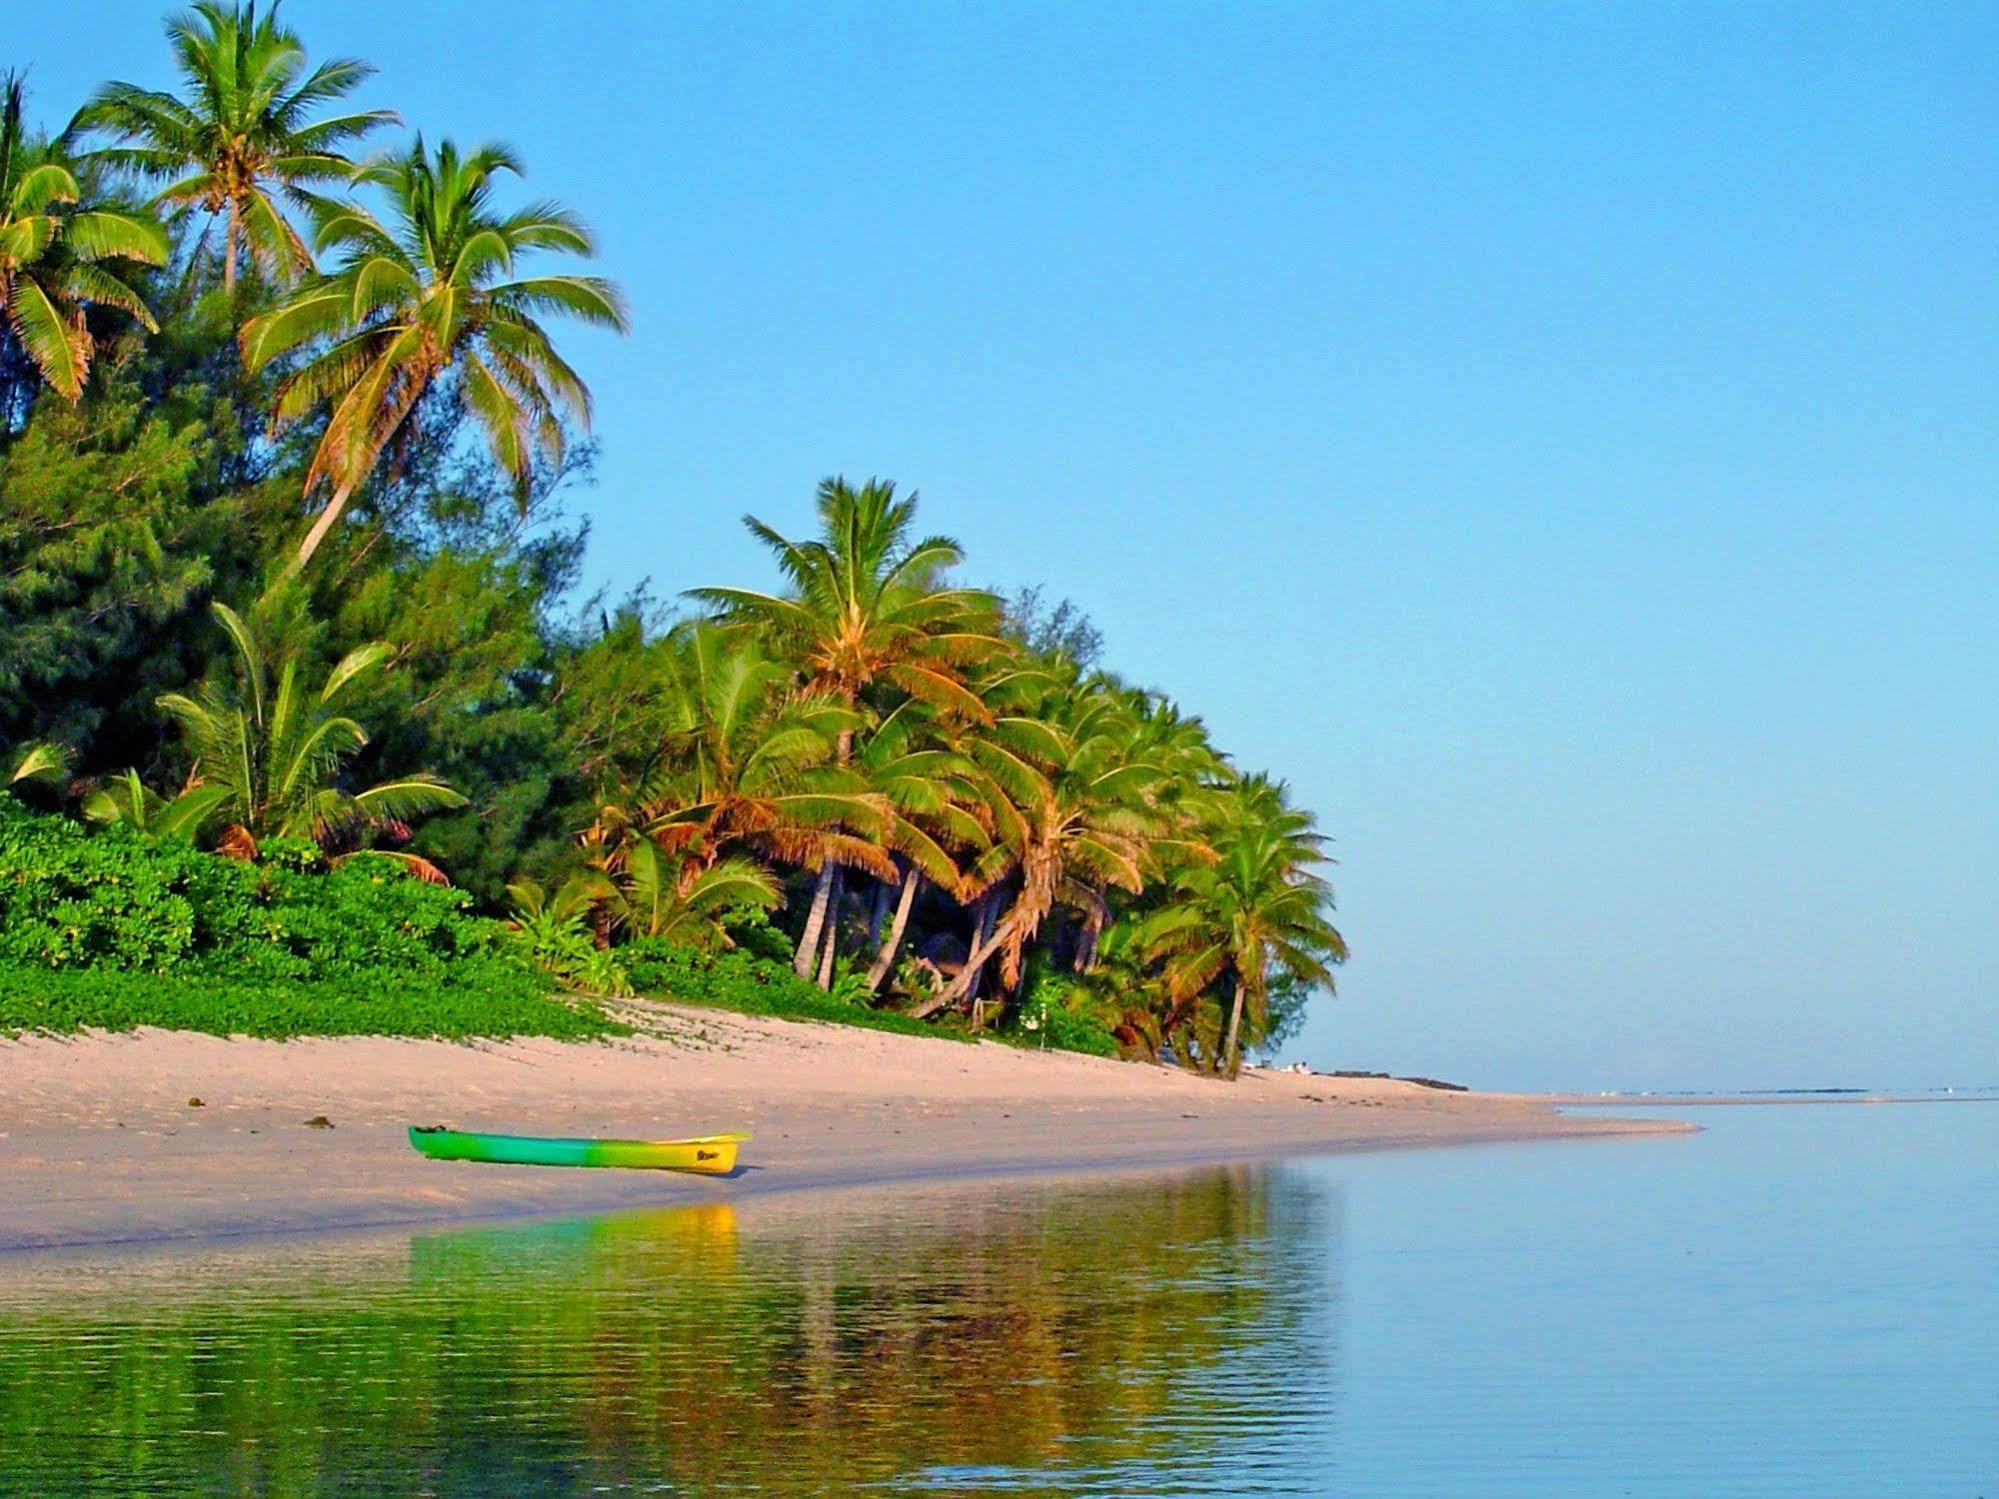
743,765
58,250
267,755
935,815
868,609
241,133
1254,913
422,297
643,895
1078,818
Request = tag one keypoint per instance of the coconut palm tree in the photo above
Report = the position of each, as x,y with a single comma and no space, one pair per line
60,249
241,134
868,611
1255,913
1078,819
267,754
431,293
744,766
934,817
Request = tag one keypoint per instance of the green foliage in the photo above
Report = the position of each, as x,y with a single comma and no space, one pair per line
913,791
270,750
1056,1012
116,929
65,248
486,997
86,581
749,985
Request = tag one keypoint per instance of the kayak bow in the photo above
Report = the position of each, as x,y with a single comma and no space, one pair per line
714,1154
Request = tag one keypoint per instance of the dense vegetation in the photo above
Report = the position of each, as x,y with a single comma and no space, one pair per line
288,609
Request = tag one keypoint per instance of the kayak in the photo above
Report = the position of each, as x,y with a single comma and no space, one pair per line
715,1154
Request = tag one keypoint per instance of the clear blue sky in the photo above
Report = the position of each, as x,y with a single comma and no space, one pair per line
1561,439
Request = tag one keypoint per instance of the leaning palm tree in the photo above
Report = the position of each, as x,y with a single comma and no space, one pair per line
267,754
241,133
1077,818
1255,913
59,251
867,610
426,294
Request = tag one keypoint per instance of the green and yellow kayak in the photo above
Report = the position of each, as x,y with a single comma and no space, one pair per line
715,1154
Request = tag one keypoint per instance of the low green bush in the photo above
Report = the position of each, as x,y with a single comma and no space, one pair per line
753,985
116,929
485,997
1053,1013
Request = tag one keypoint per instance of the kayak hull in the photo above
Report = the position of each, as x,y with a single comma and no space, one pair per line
712,1155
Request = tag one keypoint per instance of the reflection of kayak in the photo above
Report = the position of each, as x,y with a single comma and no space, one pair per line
710,1153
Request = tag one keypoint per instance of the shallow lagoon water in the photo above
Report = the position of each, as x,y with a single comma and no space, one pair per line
1800,1300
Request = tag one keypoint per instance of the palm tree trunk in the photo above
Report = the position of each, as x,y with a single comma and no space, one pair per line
1231,1059
808,940
229,243
832,929
885,956
321,526
815,921
959,987
982,939
878,913
1086,944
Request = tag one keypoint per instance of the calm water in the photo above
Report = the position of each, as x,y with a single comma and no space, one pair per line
1803,1300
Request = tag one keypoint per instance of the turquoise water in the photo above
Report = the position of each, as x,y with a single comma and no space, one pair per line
1799,1301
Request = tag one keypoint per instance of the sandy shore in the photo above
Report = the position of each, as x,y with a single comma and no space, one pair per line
99,1143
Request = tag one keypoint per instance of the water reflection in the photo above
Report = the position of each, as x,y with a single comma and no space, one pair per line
1168,1336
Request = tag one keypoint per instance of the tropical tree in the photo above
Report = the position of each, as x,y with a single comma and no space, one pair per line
428,294
868,610
935,816
1254,915
241,134
641,890
60,248
1077,817
745,766
633,891
267,753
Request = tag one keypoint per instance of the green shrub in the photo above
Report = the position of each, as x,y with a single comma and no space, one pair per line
116,929
752,985
484,997
1053,1013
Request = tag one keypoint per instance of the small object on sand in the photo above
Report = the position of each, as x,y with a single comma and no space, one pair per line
195,1103
319,1121
714,1155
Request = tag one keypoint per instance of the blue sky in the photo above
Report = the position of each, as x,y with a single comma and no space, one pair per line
1560,439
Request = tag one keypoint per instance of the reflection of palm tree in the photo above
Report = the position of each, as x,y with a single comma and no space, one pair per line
1112,1338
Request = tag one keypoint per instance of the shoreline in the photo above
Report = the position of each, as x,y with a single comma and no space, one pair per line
101,1146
